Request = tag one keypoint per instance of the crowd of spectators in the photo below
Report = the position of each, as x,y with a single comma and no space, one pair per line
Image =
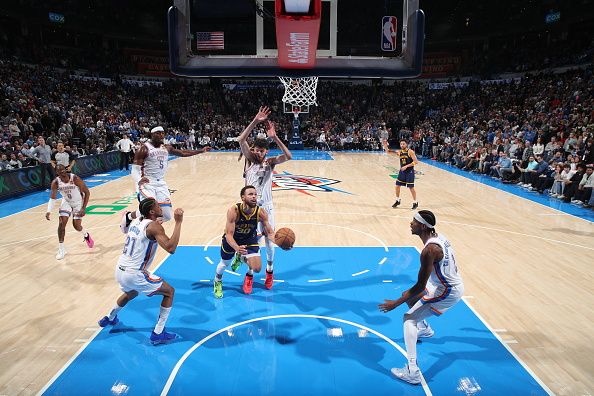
509,130
537,132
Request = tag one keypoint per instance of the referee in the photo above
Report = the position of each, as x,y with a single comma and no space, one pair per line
125,146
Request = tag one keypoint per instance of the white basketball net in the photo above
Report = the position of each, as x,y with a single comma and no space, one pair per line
300,91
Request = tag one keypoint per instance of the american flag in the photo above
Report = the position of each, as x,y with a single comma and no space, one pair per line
210,40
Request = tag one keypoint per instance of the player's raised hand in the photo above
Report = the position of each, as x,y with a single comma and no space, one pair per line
271,131
206,149
178,215
263,114
47,215
143,180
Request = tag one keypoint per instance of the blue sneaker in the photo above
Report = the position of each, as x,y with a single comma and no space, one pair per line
104,321
162,338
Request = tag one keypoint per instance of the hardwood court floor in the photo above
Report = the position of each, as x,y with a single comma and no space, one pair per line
525,266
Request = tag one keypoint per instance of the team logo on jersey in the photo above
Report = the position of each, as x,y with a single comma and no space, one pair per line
303,184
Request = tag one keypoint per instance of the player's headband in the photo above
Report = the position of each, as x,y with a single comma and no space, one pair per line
421,220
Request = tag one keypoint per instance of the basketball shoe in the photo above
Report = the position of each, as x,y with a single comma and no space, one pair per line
90,242
405,374
395,205
104,321
61,253
162,338
236,262
218,288
424,330
248,282
269,280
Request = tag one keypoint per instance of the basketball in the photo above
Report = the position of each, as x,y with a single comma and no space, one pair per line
285,238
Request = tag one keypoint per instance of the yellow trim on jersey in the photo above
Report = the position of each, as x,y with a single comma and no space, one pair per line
223,249
247,217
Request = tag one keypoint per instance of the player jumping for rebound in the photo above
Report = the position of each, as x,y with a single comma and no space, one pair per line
258,173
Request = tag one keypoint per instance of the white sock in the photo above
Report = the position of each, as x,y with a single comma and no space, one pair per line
397,199
269,251
250,272
221,268
163,315
114,311
269,267
84,233
410,340
61,245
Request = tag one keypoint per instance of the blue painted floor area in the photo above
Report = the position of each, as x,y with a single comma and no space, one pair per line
28,201
305,155
330,338
543,199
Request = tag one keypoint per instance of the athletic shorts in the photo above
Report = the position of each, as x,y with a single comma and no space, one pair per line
406,178
141,281
227,251
157,190
67,209
440,299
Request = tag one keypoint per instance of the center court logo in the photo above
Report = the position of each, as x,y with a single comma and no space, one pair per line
304,184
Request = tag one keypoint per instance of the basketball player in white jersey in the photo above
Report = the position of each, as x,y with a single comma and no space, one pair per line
131,272
439,287
75,197
148,172
258,173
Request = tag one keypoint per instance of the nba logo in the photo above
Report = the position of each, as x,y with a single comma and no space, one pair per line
389,33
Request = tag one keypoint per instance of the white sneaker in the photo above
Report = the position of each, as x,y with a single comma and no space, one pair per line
425,332
61,253
404,374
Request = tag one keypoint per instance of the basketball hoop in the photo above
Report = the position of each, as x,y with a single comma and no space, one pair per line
300,91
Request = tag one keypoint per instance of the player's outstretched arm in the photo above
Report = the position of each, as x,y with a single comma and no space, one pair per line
262,115
230,230
186,153
428,256
286,155
156,231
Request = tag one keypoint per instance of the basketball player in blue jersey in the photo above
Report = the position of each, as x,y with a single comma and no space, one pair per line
131,272
439,287
406,175
148,172
241,238
258,172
